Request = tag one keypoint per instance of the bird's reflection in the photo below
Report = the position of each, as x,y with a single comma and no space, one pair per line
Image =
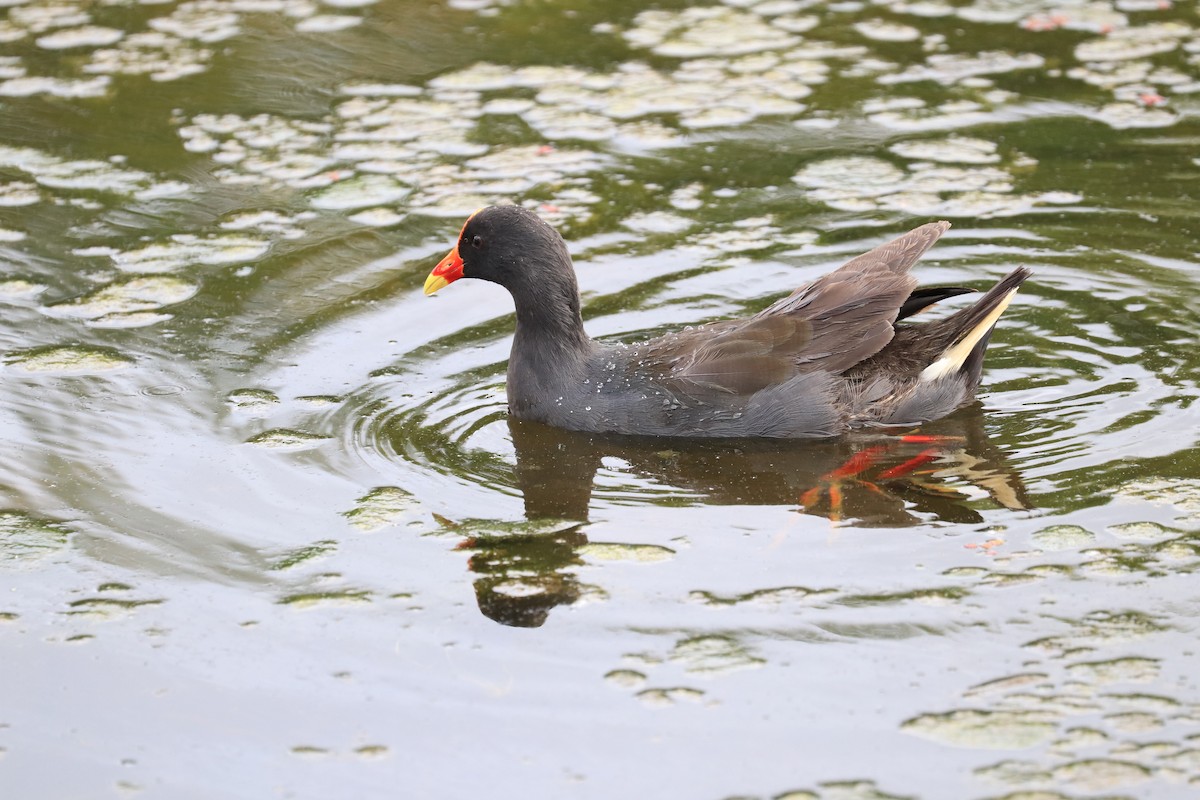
890,479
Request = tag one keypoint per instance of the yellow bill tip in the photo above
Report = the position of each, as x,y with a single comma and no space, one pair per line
435,282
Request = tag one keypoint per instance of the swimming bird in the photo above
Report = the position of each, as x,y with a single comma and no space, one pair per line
829,358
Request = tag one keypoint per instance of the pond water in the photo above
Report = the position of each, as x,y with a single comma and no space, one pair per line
266,530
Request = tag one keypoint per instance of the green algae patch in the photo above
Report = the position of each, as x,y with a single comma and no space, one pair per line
287,439
983,730
301,555
617,551
381,507
25,539
68,360
346,597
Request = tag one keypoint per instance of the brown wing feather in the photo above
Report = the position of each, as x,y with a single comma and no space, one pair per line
898,255
749,356
885,263
828,325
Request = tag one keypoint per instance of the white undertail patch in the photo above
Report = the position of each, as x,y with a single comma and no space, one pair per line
954,358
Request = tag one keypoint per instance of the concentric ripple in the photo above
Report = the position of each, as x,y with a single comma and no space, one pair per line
460,432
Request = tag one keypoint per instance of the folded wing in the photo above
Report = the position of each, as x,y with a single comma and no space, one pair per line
828,325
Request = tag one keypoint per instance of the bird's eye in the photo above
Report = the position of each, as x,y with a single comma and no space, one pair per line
477,242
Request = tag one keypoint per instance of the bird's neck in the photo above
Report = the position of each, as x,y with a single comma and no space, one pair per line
549,320
550,352
550,337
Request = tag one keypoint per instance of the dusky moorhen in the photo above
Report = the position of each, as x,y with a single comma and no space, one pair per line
826,359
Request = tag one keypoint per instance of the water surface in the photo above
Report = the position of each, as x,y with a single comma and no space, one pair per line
266,529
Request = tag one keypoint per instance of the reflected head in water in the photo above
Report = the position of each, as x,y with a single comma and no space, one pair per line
523,569
526,602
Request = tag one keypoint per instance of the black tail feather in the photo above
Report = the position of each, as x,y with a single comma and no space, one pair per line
922,299
964,325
